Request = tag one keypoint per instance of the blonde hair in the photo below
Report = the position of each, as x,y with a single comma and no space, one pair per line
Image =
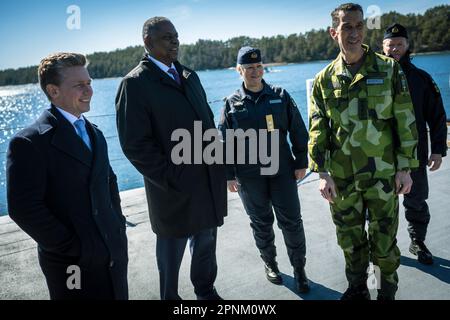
49,70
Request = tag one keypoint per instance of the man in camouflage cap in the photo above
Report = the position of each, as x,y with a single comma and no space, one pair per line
363,142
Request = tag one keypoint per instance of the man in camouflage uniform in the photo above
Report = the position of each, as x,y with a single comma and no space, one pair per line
363,142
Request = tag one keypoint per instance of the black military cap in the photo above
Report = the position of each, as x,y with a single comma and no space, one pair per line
247,55
395,30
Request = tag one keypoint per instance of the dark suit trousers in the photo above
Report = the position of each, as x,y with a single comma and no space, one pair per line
169,254
95,282
416,208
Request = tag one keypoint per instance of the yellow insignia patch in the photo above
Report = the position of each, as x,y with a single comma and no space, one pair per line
394,29
269,122
254,55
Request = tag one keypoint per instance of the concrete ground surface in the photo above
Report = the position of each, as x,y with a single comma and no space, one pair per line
241,273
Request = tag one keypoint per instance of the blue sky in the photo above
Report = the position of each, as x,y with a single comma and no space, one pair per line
30,29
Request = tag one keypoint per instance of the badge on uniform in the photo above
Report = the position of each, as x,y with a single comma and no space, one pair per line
269,123
404,86
436,87
403,81
293,103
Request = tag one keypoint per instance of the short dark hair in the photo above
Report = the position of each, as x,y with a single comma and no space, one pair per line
151,25
346,7
49,70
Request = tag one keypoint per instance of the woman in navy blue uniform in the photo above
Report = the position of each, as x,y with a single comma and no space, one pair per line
261,106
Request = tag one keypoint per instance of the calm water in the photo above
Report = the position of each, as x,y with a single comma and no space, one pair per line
21,105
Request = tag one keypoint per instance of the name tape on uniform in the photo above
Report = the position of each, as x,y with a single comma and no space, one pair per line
375,81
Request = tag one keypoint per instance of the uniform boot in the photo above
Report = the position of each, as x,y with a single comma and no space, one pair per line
301,280
419,249
360,292
272,272
387,290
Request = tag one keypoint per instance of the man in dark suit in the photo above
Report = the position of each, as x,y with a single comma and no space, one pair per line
62,191
187,201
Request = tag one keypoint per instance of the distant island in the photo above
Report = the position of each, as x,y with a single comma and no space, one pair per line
428,33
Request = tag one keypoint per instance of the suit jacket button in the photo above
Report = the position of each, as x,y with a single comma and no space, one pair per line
95,212
106,236
111,263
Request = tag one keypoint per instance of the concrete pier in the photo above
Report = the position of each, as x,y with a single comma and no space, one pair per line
241,272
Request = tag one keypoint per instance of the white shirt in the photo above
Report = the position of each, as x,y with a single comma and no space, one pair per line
163,67
70,117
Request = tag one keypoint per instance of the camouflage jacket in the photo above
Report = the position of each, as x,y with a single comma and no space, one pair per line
362,127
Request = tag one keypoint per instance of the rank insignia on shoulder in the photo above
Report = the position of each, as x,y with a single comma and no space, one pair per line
293,103
375,81
436,87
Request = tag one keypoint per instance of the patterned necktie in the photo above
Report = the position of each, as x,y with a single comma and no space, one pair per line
174,72
81,131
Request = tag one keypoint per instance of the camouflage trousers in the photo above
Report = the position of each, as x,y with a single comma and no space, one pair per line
373,200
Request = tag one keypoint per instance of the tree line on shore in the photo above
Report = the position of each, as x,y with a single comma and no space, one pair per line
428,32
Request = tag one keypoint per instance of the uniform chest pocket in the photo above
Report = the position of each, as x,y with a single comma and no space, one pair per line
379,98
240,117
337,107
275,105
240,113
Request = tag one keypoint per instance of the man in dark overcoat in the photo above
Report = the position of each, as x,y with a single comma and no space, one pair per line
62,191
186,201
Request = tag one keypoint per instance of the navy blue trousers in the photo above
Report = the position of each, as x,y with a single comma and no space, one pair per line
259,195
169,254
416,208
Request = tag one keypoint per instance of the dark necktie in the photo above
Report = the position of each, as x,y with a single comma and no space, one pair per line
174,72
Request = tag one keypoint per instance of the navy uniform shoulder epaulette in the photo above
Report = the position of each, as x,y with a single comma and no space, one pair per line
233,97
279,91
